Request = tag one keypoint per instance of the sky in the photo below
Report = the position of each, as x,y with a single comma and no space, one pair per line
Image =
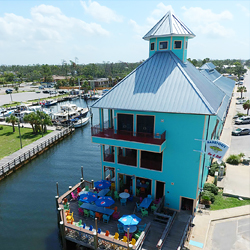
48,32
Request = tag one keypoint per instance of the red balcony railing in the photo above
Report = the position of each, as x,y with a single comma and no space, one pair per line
157,139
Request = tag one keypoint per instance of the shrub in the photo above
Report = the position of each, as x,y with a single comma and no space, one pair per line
206,195
213,168
211,188
1,127
233,159
241,114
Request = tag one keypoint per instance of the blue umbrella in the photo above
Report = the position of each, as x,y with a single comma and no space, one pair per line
104,201
130,220
102,184
89,197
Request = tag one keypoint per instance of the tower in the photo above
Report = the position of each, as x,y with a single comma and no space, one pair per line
170,33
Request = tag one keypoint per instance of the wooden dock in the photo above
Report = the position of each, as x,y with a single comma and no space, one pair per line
16,160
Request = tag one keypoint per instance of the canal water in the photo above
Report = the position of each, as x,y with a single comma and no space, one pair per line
27,197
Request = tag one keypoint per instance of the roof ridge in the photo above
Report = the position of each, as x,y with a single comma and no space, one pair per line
202,97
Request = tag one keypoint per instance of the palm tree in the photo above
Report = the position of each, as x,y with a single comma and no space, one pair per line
246,106
13,120
44,120
242,89
33,120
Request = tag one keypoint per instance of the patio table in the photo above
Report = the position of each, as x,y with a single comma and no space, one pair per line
146,202
132,229
124,195
95,208
103,192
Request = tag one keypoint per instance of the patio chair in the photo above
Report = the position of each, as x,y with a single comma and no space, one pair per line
74,197
107,233
113,186
133,241
115,208
142,190
66,206
116,237
65,201
141,227
80,203
79,190
86,188
149,196
90,228
153,207
84,225
130,198
92,214
123,202
99,230
116,195
120,229
79,223
137,192
116,216
126,191
106,218
86,213
98,215
144,212
138,209
109,193
80,211
137,235
141,199
125,239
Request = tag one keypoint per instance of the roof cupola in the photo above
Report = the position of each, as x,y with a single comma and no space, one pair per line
170,33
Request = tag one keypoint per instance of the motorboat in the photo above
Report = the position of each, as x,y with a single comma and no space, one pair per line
95,97
74,110
80,122
47,103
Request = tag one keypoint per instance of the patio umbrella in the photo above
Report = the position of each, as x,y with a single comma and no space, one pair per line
102,184
130,220
104,201
89,197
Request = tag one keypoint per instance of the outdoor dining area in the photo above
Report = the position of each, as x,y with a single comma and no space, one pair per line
119,216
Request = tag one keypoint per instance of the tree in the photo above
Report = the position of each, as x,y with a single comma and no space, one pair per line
34,121
13,120
246,106
44,120
16,88
242,89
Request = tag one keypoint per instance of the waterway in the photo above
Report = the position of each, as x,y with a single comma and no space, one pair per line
27,197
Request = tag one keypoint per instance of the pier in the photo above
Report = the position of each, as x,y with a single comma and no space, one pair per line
16,160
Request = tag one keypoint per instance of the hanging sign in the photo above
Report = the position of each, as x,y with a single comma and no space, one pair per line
216,149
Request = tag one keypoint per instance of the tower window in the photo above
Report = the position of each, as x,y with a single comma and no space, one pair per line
177,44
186,45
164,45
152,46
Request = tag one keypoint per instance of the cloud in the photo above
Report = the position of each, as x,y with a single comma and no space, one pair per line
100,12
207,22
244,9
47,23
160,10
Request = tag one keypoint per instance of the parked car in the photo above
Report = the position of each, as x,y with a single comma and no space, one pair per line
243,120
240,101
46,92
241,131
8,91
53,92
41,87
240,83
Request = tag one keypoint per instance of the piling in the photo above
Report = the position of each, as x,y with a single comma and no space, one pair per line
62,232
57,190
92,183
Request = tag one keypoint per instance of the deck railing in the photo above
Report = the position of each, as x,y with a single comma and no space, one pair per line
185,233
31,152
166,232
141,239
127,135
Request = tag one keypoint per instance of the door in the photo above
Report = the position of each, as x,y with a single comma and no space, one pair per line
145,124
125,122
160,187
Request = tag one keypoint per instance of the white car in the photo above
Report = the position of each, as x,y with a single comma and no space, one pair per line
240,101
243,120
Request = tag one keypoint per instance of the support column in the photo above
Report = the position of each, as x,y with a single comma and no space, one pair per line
101,119
134,186
153,189
110,114
116,155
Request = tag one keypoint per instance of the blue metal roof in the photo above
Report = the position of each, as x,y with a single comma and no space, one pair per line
208,66
224,83
169,25
163,83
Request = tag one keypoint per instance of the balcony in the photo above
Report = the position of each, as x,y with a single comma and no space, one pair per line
128,136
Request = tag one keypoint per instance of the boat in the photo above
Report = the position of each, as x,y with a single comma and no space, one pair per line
77,123
95,97
74,110
48,103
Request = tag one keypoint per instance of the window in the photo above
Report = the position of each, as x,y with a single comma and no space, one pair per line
152,161
177,44
164,45
186,45
152,46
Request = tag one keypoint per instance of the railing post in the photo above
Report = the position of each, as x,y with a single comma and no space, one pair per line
92,183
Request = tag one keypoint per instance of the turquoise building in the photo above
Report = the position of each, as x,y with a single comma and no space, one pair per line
157,117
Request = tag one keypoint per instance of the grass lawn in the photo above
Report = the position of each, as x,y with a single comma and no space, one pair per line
222,202
10,142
